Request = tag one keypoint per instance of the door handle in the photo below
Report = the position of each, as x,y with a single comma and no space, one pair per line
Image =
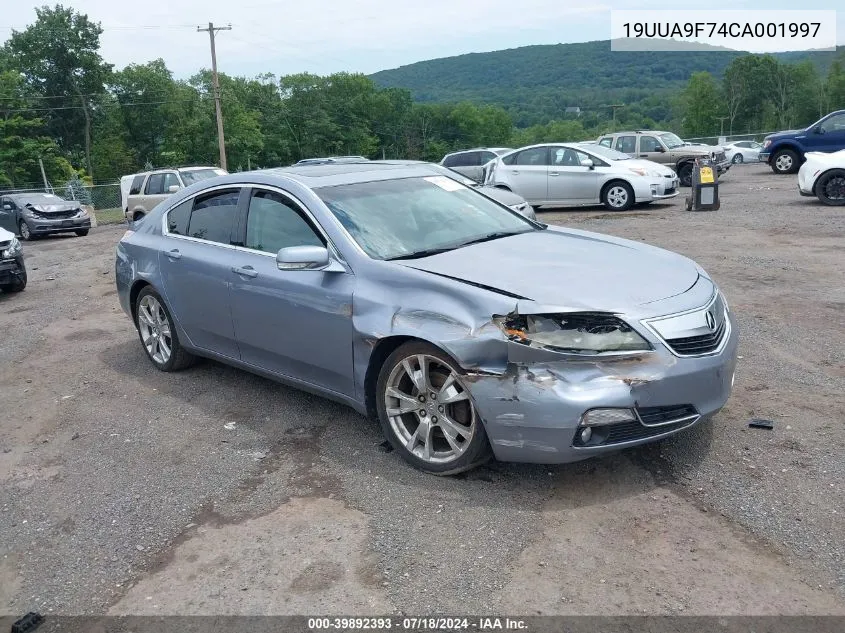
553,173
246,271
515,171
174,254
643,155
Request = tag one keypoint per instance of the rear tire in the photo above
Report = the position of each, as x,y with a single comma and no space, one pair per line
830,188
137,216
417,383
737,159
618,196
785,162
157,332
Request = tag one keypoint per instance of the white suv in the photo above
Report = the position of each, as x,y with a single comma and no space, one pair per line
151,187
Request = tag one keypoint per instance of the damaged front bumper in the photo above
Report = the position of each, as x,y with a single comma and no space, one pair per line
533,412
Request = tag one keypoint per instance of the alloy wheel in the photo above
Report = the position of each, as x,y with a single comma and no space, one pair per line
783,162
834,188
429,409
155,329
26,234
617,197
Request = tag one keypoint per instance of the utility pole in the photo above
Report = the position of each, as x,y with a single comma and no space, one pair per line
722,122
44,176
615,108
221,141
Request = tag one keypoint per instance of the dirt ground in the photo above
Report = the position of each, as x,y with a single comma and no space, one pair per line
128,491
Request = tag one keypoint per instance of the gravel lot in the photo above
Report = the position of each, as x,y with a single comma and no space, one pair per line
129,491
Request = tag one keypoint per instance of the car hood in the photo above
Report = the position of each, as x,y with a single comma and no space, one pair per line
783,134
56,208
567,268
6,236
643,163
833,158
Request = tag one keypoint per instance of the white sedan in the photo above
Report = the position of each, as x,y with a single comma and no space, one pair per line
577,174
743,151
823,175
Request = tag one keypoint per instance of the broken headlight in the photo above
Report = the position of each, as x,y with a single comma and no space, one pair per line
578,333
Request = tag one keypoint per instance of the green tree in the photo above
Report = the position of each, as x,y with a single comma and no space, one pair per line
60,59
701,105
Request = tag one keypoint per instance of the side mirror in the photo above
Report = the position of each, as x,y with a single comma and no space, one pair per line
659,148
307,258
7,206
173,188
588,163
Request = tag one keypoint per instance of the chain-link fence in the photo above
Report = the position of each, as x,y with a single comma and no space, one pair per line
101,197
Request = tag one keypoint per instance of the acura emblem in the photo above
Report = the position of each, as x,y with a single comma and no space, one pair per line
710,320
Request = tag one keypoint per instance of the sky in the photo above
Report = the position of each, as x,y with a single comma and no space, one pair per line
325,36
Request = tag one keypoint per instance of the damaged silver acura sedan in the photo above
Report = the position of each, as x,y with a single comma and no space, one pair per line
466,329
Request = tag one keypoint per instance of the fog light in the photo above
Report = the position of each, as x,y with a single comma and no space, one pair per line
599,417
586,434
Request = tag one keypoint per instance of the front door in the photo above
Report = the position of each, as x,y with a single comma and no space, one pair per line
195,261
570,182
296,323
8,215
652,149
831,136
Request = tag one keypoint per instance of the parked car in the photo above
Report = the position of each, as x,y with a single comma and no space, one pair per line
32,215
785,151
502,196
823,175
665,148
12,267
572,174
470,162
464,328
151,187
743,151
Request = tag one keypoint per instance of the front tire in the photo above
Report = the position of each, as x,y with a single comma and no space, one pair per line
830,187
737,159
158,333
685,175
618,196
785,162
81,232
427,413
15,286
26,234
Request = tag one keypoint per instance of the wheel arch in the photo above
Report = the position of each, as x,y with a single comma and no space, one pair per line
134,291
786,145
613,181
822,175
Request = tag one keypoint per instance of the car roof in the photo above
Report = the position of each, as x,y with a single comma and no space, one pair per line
333,174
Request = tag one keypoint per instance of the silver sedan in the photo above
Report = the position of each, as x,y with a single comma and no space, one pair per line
467,330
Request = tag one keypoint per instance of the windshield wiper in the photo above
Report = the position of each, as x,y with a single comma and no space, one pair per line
492,236
423,253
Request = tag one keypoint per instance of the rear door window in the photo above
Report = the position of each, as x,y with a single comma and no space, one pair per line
213,216
626,144
155,185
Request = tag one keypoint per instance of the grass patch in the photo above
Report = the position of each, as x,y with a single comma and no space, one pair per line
110,216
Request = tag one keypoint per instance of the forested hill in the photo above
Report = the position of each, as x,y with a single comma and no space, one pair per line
533,80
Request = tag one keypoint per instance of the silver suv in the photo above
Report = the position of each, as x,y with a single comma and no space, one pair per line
470,162
151,187
665,148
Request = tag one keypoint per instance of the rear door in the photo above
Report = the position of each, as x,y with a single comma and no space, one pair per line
297,323
195,261
627,144
527,173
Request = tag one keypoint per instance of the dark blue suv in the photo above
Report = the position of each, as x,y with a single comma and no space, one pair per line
784,151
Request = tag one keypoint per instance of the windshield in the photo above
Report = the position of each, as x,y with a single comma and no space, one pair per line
195,175
406,216
605,152
671,140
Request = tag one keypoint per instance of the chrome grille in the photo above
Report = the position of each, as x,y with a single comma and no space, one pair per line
693,345
657,416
